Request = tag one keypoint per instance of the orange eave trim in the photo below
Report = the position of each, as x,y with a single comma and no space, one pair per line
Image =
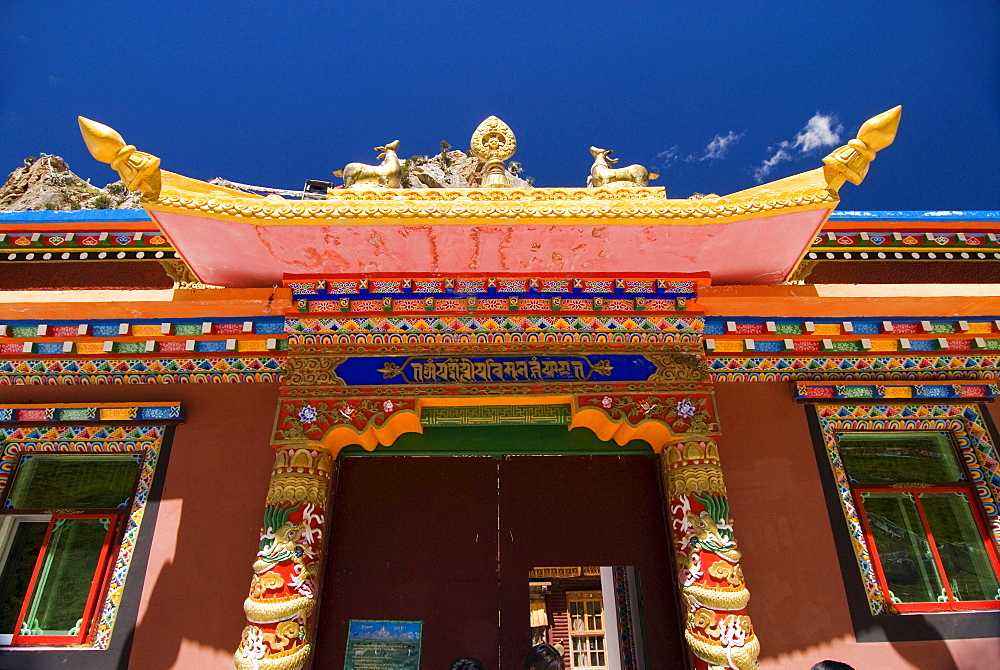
177,304
809,301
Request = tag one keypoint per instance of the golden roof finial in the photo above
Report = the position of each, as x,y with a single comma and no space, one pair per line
851,161
494,142
140,171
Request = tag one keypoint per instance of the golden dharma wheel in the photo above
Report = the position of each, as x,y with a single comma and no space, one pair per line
493,140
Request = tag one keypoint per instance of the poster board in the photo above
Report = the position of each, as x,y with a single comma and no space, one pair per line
383,645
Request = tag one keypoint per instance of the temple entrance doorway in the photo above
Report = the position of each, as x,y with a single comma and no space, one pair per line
494,550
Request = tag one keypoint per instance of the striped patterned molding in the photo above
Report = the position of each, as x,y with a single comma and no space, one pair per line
102,412
875,236
505,294
937,367
175,337
894,390
728,336
114,234
83,246
21,372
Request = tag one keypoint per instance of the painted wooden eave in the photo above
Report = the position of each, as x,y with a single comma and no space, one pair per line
143,304
852,300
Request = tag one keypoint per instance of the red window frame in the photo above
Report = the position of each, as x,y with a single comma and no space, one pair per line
97,587
991,550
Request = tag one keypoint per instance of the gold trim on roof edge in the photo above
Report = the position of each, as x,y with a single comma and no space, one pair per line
549,206
811,190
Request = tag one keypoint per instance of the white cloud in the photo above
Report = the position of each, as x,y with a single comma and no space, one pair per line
782,154
720,144
667,157
820,131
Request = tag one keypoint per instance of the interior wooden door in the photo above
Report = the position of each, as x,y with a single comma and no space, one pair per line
585,511
414,539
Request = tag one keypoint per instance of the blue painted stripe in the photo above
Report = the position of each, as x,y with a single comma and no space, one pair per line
77,216
990,216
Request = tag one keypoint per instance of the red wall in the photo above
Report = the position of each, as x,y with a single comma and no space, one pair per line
207,531
798,604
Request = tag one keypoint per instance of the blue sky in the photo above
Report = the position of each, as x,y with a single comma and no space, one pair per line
707,93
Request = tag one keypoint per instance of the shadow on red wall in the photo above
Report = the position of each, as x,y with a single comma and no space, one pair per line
798,603
219,467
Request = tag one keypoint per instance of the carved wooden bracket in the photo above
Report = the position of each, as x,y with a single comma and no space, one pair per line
659,419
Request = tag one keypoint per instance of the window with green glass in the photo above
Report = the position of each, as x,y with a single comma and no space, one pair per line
61,518
926,534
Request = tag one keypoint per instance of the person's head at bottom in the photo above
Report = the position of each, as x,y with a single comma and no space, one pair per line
831,665
543,657
466,664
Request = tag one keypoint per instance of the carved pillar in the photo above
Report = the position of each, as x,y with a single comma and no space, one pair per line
285,586
717,628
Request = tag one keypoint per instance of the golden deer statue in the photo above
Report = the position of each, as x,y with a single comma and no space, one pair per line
602,174
386,175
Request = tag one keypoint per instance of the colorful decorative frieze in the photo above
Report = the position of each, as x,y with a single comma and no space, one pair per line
796,336
968,430
906,245
17,372
146,336
82,235
479,294
930,390
96,246
494,329
890,368
143,441
89,413
142,351
876,236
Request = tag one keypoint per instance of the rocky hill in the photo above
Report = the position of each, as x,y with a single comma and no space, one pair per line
47,183
453,169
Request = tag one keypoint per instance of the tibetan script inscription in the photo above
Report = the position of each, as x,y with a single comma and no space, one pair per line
464,370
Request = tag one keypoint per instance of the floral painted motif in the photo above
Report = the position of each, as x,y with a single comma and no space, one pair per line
685,409
310,420
682,414
307,415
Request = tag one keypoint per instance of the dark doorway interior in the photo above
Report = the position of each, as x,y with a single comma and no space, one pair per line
450,541
414,539
585,510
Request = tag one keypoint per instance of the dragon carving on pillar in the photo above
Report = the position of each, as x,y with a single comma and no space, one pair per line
283,589
717,628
